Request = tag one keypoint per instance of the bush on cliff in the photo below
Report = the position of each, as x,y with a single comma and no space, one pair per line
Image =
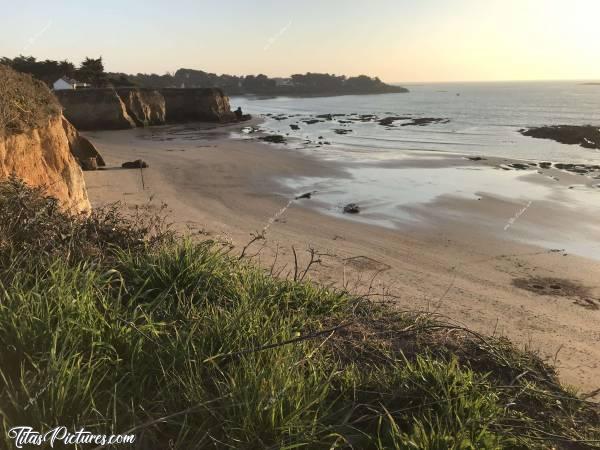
109,327
25,102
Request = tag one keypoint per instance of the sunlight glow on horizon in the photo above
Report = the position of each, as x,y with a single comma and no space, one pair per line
397,40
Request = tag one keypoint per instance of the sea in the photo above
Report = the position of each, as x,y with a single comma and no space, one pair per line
475,119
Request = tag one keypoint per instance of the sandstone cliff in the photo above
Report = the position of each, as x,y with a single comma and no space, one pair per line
41,157
144,106
81,148
95,109
110,109
33,143
197,104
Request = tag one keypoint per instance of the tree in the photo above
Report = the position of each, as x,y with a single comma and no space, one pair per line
92,71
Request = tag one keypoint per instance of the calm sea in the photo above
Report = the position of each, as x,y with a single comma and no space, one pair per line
484,119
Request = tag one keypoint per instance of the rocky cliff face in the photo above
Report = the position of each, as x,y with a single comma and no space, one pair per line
144,106
197,104
110,109
81,148
41,156
95,109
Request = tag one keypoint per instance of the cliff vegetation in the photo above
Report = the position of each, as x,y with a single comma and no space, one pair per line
116,325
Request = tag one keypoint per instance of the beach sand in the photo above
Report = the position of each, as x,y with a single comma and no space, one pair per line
221,188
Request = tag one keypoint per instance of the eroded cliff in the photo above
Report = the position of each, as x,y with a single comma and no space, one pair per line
113,109
95,109
33,143
41,157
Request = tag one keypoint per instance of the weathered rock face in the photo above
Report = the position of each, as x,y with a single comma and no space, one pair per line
41,157
144,106
210,104
95,109
81,148
110,109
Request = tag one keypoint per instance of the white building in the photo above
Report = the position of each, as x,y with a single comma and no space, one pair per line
65,83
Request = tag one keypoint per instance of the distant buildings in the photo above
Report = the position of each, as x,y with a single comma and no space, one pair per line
283,82
66,83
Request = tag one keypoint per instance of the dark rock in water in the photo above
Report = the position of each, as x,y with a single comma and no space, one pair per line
306,195
388,121
342,131
545,165
519,166
325,116
273,138
425,121
586,136
320,137
476,158
137,164
280,117
311,121
294,127
351,208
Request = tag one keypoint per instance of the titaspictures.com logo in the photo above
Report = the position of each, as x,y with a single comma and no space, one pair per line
27,436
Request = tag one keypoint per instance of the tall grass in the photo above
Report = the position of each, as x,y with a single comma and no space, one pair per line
188,347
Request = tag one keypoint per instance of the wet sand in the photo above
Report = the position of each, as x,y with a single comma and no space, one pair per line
220,188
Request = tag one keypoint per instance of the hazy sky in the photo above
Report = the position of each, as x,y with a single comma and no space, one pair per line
398,40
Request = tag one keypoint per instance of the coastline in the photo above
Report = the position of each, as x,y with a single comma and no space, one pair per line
223,188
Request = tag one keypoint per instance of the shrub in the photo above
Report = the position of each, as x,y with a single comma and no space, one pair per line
25,102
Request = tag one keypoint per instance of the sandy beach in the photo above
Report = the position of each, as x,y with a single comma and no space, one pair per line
226,189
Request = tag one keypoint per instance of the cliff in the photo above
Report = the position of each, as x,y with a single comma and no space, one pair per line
41,157
113,109
81,148
208,104
33,143
95,109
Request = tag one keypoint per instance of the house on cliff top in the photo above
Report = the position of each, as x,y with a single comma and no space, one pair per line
65,83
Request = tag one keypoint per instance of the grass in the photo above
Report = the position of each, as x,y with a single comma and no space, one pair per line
25,103
115,325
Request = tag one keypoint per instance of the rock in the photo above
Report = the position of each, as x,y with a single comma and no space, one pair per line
476,158
311,121
545,165
342,131
325,116
388,121
519,166
351,208
294,127
137,164
425,121
81,147
273,138
586,136
307,195
89,163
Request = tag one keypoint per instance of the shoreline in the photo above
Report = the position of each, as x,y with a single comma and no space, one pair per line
222,188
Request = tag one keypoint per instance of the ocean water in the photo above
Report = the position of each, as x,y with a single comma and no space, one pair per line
484,119
401,176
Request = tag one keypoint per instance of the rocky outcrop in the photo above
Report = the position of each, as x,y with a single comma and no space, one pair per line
587,136
185,105
95,109
110,109
81,148
144,106
41,157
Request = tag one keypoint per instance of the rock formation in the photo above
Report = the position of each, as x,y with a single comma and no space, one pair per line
114,109
81,147
41,157
197,104
33,143
95,109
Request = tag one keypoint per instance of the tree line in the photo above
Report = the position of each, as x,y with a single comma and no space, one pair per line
91,70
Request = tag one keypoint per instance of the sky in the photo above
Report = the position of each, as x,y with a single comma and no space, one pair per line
397,40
